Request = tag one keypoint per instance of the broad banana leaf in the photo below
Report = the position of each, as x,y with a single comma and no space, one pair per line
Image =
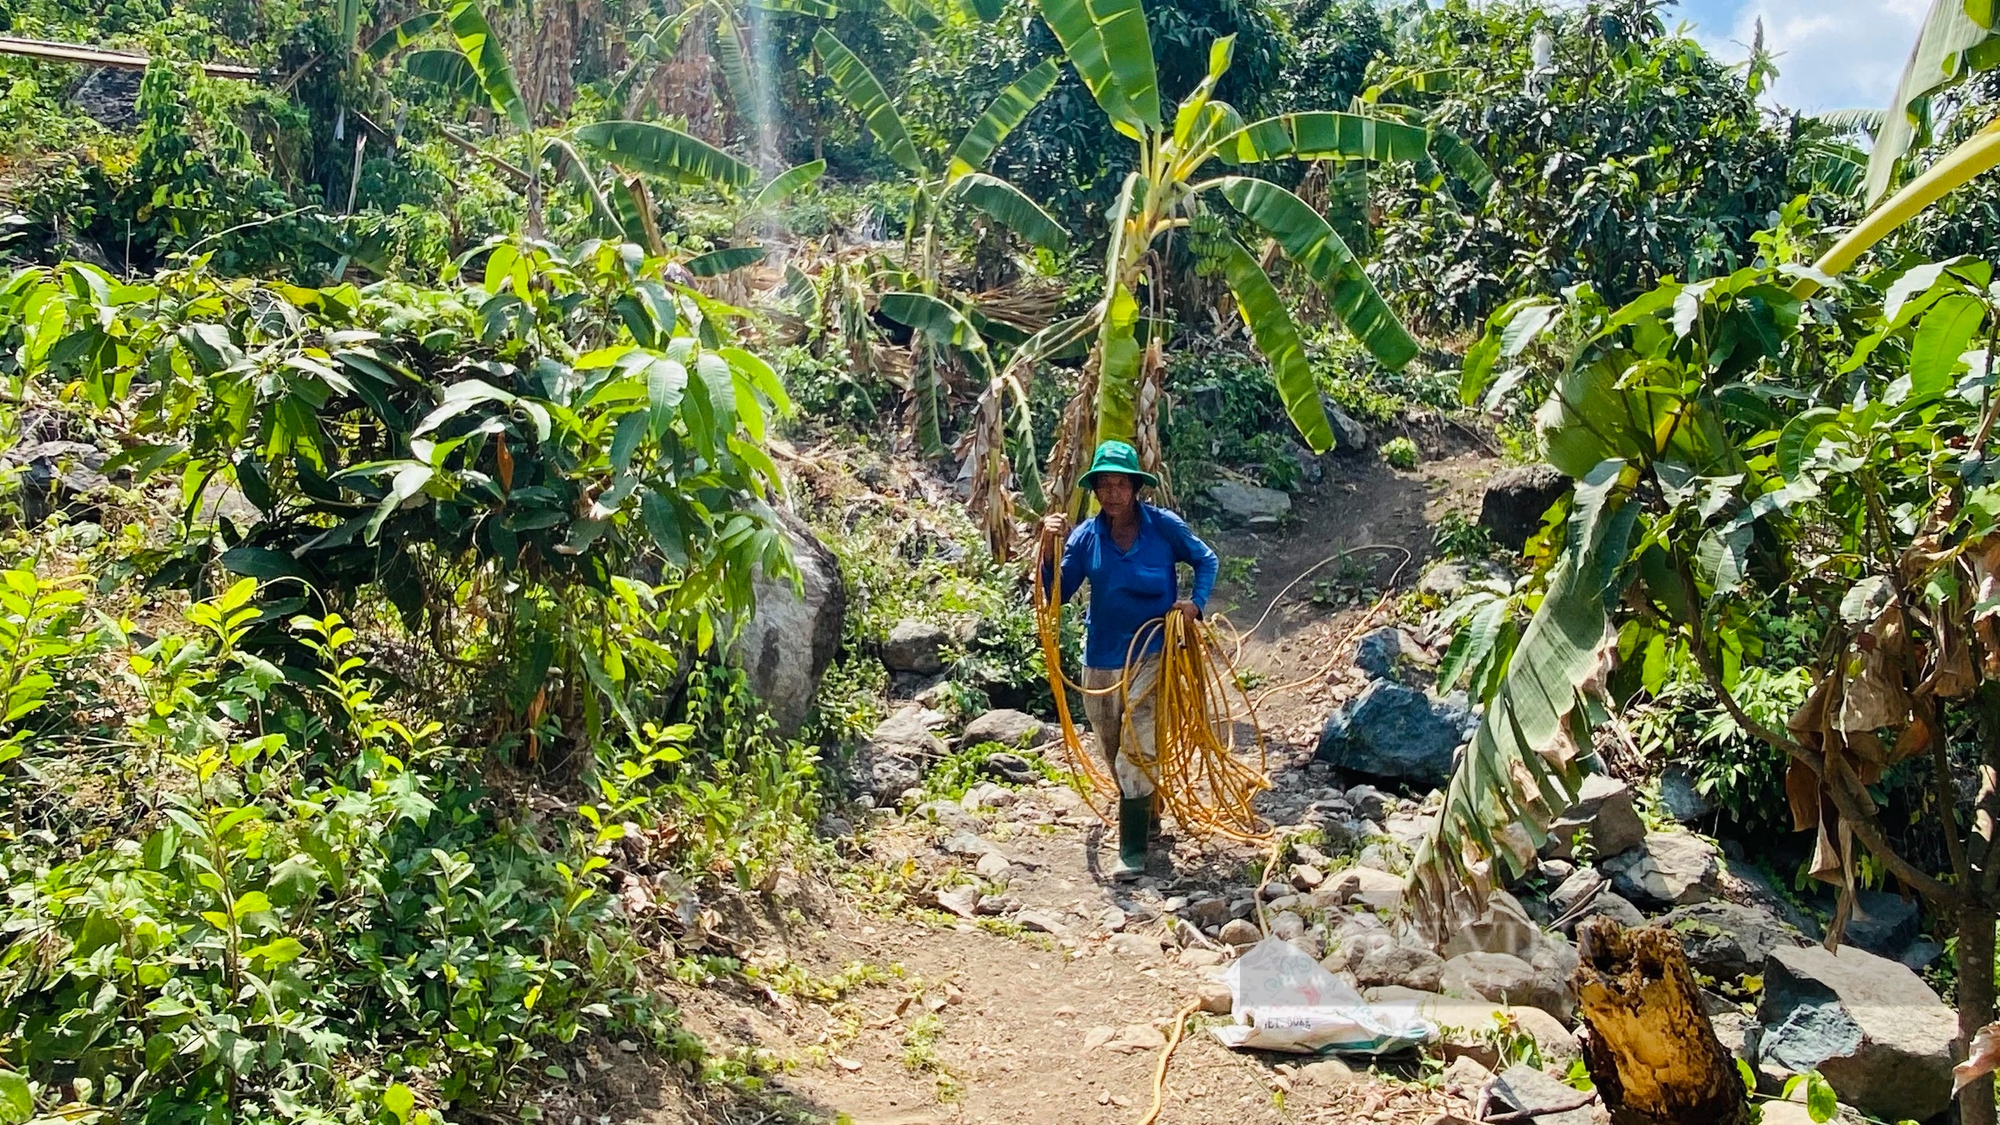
863,92
732,57
1012,209
1325,136
403,34
924,388
817,9
1464,161
986,11
1310,243
1977,155
1119,358
630,212
1271,326
642,146
1193,123
446,69
496,75
1108,43
564,155
1839,168
939,322
350,27
917,13
1597,413
785,184
1956,39
1852,122
1021,447
1008,110
715,263
1440,81
1524,766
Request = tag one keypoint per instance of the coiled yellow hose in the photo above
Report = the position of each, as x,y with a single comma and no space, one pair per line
1199,710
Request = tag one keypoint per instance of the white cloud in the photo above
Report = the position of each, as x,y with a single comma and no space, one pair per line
1833,54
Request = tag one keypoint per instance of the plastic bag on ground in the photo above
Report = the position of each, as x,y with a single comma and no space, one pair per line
1284,1001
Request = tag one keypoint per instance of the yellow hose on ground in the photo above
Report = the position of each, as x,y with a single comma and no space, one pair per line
1166,1056
1197,697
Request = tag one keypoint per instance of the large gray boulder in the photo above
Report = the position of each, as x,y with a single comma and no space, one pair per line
1726,940
1246,505
1669,869
916,647
1516,499
1396,733
1582,884
1604,815
1883,924
60,476
1007,727
1447,579
1679,797
1608,904
1391,963
108,96
788,643
896,754
1872,1027
1349,436
1503,979
1503,927
1381,653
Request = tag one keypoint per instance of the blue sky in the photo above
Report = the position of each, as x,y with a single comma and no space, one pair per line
1834,54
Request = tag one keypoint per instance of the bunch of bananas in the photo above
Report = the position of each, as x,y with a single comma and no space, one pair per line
1206,237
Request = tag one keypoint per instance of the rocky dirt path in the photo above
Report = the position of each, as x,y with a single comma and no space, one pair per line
1056,1009
1297,595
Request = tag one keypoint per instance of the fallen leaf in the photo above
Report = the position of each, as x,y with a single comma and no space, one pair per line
1983,1058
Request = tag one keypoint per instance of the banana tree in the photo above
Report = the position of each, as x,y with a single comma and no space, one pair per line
728,32
473,66
1175,188
945,183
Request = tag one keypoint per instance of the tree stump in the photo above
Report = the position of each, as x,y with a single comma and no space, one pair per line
1648,1043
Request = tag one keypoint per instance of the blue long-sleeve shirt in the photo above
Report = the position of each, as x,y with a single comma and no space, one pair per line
1129,588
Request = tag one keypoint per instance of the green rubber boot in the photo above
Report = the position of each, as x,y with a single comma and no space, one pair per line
1135,816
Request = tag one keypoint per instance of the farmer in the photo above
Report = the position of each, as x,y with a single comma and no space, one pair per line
1128,552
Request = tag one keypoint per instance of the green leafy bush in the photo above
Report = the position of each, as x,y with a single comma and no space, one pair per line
556,424
1400,453
306,892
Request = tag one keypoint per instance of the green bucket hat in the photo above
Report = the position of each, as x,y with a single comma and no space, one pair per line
1117,457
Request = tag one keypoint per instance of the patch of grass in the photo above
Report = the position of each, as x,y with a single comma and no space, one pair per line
963,769
1456,537
789,978
920,1056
